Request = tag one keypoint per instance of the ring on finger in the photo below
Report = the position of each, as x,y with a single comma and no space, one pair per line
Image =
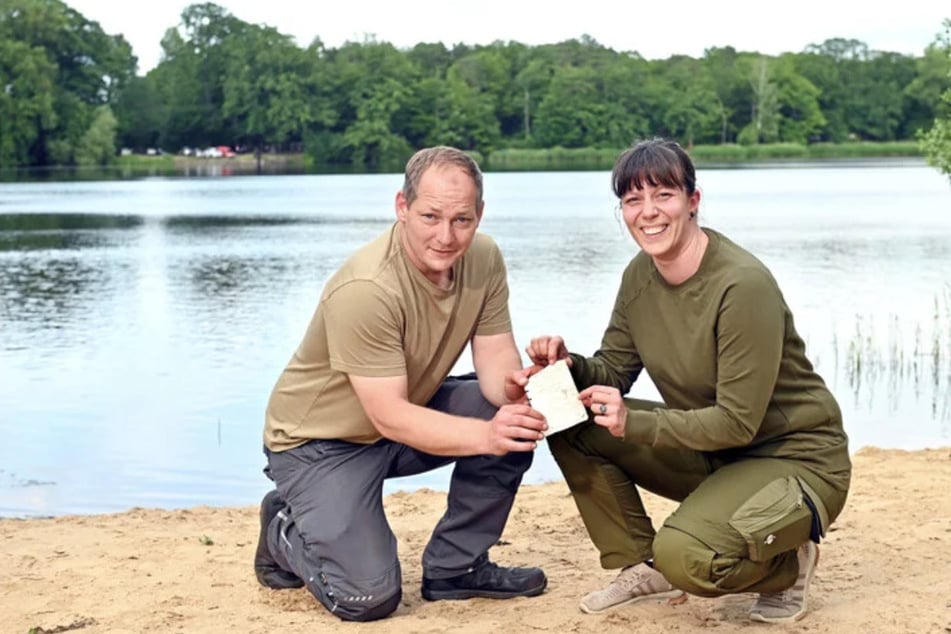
603,409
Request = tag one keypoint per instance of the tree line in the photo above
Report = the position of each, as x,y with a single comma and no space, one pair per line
69,93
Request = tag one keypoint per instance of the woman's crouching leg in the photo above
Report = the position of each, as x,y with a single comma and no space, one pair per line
689,564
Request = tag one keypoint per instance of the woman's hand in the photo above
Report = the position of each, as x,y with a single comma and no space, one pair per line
608,408
547,349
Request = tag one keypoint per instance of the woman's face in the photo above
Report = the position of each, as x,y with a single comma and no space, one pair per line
660,218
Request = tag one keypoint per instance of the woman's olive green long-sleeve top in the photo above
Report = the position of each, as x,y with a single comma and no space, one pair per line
725,356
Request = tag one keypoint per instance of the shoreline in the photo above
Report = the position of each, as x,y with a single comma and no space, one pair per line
424,482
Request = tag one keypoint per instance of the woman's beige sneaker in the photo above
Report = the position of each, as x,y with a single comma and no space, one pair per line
633,583
790,604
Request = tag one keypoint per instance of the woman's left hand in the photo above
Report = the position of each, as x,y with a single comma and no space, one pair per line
608,408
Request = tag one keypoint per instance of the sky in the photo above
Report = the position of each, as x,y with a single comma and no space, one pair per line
656,29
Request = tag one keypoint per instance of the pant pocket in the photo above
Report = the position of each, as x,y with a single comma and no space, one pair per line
775,519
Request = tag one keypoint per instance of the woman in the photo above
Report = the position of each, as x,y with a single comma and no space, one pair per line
749,440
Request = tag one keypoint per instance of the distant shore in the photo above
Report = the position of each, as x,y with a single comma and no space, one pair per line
727,156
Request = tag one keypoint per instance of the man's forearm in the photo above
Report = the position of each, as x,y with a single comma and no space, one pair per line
492,376
429,430
495,357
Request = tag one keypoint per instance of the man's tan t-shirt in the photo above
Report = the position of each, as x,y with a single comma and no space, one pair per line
380,316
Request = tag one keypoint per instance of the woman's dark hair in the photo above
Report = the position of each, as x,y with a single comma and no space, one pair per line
657,162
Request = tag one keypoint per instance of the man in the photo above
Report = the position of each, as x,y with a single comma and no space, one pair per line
366,397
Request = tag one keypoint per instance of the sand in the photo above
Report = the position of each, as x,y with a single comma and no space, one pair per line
885,567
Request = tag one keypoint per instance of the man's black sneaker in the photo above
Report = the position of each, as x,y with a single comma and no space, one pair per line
490,581
268,572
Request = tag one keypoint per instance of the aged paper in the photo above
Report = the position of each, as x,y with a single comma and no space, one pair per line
553,393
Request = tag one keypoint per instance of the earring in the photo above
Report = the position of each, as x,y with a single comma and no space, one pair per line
692,214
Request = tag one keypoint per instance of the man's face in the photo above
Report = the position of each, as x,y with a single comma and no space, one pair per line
439,225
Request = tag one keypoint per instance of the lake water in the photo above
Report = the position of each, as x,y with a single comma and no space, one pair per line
144,322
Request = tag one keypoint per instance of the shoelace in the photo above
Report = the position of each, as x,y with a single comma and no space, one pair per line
774,599
631,579
489,572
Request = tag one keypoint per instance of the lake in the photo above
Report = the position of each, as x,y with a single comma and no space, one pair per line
144,322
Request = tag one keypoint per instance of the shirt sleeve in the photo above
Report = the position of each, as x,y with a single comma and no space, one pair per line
750,331
495,318
364,330
617,362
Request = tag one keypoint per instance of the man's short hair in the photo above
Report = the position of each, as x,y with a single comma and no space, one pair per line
440,155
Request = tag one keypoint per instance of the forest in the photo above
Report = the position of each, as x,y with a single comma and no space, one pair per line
70,94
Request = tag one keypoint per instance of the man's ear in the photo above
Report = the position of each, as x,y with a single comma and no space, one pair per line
402,209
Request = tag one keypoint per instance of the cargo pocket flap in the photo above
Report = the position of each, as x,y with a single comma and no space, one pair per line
775,519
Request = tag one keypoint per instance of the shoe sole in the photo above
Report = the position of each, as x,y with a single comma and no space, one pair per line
657,596
798,616
456,595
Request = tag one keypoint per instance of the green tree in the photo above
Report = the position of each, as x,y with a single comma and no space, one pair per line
568,112
191,76
764,108
268,92
834,67
469,119
923,94
732,91
877,107
632,94
369,139
98,145
604,103
800,117
370,84
141,113
89,67
862,93
691,109
481,99
27,80
533,80
936,142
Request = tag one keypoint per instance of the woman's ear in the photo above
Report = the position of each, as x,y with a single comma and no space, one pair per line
694,202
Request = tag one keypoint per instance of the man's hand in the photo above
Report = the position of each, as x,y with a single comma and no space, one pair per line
608,407
515,383
547,349
515,428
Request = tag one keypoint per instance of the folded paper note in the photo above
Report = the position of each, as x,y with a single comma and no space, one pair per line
553,393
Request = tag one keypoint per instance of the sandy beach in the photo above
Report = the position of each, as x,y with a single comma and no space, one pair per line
884,567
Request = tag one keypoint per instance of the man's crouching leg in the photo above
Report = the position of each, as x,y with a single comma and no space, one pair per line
369,598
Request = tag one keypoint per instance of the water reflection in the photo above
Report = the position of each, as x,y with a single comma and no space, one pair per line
31,232
199,223
51,294
221,278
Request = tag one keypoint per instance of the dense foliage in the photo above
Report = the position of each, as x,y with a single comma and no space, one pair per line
936,142
59,75
65,87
